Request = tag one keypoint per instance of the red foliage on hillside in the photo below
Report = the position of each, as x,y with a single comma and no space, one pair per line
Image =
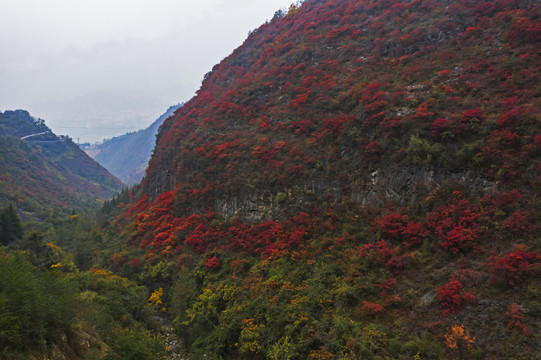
349,146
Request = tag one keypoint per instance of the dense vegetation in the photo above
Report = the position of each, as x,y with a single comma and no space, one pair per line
358,180
46,173
54,304
49,308
127,156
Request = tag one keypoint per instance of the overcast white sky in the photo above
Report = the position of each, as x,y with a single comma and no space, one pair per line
99,68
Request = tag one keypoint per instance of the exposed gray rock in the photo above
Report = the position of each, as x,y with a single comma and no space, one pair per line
428,298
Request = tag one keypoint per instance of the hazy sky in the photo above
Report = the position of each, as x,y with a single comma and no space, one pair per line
99,68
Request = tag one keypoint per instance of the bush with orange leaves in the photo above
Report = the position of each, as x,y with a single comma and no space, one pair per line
250,337
372,308
458,339
320,354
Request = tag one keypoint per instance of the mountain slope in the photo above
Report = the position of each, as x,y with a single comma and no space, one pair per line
46,171
350,83
127,156
360,179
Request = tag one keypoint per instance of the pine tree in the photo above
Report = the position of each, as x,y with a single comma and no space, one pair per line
10,226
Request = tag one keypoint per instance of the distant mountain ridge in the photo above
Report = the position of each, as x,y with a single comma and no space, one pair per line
130,109
127,156
40,170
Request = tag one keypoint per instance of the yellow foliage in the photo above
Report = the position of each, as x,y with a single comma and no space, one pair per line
63,260
320,355
249,336
102,272
373,338
156,298
293,9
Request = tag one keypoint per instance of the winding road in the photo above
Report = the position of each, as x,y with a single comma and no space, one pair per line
29,136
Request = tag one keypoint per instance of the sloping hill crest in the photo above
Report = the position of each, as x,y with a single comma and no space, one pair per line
40,170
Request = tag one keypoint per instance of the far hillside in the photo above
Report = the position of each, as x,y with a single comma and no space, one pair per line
127,156
41,172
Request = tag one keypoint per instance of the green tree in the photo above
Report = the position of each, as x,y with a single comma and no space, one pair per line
36,307
136,344
10,226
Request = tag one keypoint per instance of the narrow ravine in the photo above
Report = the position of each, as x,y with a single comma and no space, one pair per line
175,345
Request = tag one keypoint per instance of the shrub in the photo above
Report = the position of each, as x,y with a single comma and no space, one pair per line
35,306
456,225
471,119
281,197
138,344
460,239
383,254
439,126
458,339
421,151
516,319
519,223
514,267
284,349
372,308
452,297
398,227
212,263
